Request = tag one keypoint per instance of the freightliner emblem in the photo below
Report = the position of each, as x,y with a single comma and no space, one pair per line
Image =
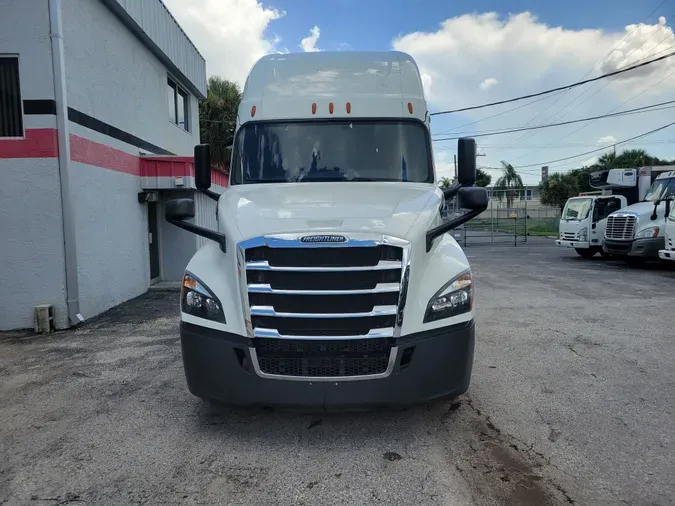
323,238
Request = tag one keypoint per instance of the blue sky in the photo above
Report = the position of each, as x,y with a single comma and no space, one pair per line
494,51
372,24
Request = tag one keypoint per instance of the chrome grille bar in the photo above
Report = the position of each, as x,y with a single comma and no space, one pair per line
275,334
270,311
379,288
265,266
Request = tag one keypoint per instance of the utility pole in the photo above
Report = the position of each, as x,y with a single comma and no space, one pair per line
455,167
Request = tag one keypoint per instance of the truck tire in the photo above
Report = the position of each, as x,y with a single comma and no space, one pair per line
585,253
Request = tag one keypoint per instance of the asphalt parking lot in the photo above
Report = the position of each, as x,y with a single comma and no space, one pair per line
571,402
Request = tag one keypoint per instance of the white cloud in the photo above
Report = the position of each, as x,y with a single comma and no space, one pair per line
488,83
607,139
230,34
524,55
308,44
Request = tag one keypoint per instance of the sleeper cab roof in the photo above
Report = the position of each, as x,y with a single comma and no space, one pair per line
357,84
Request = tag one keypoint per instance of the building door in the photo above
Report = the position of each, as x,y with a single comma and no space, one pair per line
153,240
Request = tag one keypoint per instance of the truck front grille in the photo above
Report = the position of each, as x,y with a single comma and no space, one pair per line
569,236
318,310
620,227
326,358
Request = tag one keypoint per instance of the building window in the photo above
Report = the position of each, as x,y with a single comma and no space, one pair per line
11,114
178,105
528,194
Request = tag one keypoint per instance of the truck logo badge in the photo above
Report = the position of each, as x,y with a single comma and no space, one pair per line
323,238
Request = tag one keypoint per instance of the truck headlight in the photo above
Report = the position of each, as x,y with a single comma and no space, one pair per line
455,298
649,232
197,300
583,234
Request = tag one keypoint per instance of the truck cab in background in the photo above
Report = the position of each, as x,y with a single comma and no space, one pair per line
331,280
668,252
584,219
637,232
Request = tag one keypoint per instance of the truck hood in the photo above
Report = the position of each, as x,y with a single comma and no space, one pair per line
639,208
386,208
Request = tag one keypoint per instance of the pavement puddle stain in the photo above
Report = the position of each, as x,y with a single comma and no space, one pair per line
494,465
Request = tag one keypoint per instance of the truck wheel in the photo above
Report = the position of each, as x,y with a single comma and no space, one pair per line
585,253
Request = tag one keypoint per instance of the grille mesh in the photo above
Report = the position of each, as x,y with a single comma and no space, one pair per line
620,227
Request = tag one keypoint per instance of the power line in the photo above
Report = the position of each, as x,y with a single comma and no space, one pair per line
650,132
637,110
553,90
598,90
611,51
449,131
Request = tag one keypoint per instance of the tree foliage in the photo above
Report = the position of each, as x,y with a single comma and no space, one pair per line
483,178
558,188
509,183
218,117
446,182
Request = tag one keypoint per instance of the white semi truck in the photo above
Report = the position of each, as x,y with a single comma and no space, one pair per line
668,251
637,232
331,280
583,222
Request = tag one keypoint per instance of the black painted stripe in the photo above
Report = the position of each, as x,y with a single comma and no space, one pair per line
106,129
33,107
39,107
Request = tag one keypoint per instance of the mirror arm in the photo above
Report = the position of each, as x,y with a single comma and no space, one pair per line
445,227
654,215
451,191
221,239
211,194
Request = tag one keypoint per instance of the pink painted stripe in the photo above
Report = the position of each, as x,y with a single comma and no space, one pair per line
93,153
38,143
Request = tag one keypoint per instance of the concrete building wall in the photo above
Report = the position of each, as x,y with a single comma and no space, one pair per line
113,77
31,227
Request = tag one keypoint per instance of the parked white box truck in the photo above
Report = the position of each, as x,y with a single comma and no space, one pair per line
331,281
584,220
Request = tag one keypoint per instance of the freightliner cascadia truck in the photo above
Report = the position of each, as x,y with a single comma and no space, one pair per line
331,280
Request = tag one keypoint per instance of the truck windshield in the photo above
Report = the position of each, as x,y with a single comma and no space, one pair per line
660,189
304,151
576,209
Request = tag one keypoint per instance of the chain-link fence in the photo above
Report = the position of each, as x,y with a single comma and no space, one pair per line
509,219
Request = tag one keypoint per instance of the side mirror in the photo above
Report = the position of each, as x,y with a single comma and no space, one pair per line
472,198
203,167
179,209
466,161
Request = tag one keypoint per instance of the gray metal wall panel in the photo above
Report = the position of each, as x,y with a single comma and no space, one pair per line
205,215
177,245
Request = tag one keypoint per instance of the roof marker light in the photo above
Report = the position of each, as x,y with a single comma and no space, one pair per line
348,107
330,108
252,111
313,108
410,107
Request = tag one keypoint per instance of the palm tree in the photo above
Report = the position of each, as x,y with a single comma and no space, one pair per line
218,117
509,183
607,161
445,182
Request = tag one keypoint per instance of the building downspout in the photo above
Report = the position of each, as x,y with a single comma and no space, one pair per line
63,133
